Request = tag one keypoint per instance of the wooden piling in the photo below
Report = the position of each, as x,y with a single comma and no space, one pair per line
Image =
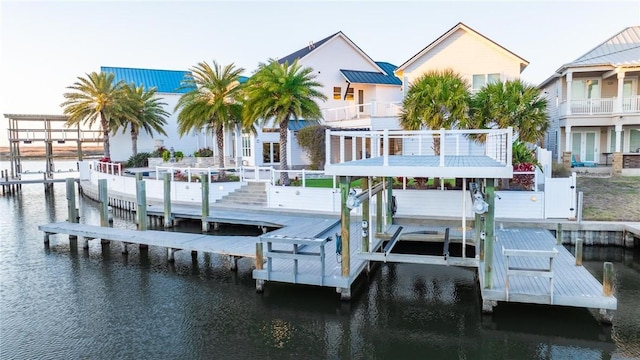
365,217
204,180
104,202
141,205
607,279
379,212
259,259
72,211
559,234
489,239
346,225
578,254
389,200
167,200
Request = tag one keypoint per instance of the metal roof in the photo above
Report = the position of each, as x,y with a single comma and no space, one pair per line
387,67
165,81
295,125
621,49
369,77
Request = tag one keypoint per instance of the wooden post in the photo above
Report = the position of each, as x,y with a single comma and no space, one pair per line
479,229
141,205
607,279
579,245
168,221
559,234
259,258
389,200
489,232
346,224
379,212
204,180
365,217
104,202
71,204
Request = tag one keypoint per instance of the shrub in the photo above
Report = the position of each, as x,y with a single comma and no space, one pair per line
311,139
179,155
203,152
159,151
166,155
140,160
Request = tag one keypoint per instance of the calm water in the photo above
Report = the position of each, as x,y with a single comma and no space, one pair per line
65,303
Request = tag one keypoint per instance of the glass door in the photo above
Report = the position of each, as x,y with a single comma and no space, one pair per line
584,145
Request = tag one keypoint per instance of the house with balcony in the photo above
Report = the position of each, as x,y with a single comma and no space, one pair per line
594,105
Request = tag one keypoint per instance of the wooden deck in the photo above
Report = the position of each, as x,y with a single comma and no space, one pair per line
572,285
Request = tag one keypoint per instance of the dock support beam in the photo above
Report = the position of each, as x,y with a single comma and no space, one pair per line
559,234
259,266
389,200
345,293
141,203
365,216
204,180
379,212
489,226
171,257
579,246
104,202
233,263
607,279
488,305
345,220
71,203
168,221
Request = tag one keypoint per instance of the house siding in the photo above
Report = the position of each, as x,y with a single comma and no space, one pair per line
467,54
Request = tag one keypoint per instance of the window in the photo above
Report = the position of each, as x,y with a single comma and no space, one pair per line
493,78
349,94
478,82
246,145
337,92
634,141
585,89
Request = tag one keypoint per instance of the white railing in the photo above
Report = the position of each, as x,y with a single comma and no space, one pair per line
256,173
631,104
592,106
191,174
108,167
495,143
366,110
601,106
300,177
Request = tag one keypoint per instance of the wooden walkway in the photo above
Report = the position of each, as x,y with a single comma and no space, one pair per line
572,285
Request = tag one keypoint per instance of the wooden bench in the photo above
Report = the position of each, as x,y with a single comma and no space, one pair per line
544,272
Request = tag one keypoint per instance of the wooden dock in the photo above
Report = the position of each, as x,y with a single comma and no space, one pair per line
571,285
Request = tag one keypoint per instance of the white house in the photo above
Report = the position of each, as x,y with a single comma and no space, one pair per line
594,104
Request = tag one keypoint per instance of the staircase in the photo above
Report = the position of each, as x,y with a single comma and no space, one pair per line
254,193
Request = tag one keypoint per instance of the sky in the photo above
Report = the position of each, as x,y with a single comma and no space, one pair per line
45,46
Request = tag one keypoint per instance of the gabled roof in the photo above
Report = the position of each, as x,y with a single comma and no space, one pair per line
461,26
621,49
166,81
314,46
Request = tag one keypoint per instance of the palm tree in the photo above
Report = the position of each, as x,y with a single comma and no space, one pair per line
512,103
95,97
213,92
143,111
280,92
437,99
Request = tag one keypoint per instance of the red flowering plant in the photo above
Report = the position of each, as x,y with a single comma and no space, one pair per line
524,161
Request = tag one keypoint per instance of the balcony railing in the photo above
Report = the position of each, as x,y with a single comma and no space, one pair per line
602,106
359,111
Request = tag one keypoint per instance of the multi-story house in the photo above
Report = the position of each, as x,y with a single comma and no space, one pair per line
594,105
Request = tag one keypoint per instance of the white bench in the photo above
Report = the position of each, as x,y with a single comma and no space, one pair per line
544,272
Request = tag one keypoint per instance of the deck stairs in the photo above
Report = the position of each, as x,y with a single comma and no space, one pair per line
253,193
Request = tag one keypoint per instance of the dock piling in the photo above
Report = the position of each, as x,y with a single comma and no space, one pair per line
204,180
579,246
141,204
233,263
104,202
559,234
167,200
607,279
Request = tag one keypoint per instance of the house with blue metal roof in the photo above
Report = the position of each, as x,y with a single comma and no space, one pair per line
169,89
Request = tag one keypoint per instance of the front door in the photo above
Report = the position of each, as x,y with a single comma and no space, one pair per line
584,144
361,101
270,153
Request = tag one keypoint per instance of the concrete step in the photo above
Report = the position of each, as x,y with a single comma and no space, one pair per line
250,194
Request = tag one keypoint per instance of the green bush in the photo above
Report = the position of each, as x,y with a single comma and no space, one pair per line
166,155
158,152
204,152
179,155
140,160
311,139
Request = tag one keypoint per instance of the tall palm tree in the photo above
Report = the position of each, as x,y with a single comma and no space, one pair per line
95,97
281,92
143,111
512,103
437,99
214,91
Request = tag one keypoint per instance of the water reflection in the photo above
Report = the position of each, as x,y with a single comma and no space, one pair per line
140,306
